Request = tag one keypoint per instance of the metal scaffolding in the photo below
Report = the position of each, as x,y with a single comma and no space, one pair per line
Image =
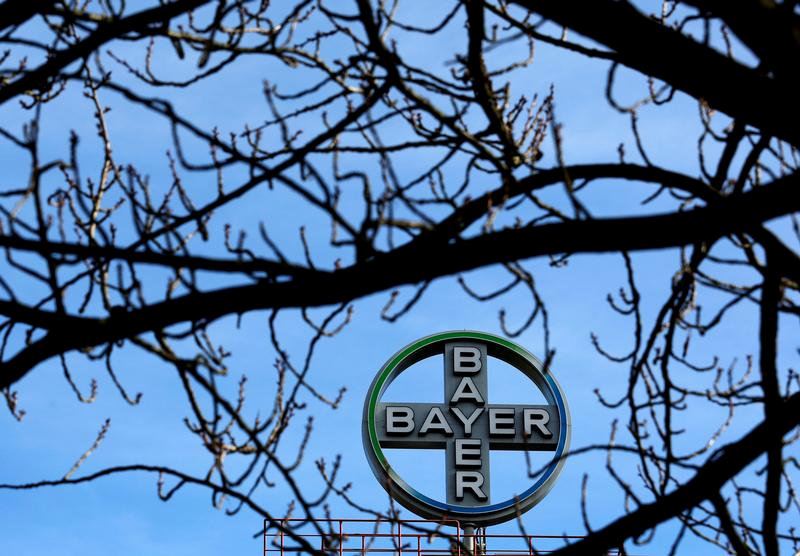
416,537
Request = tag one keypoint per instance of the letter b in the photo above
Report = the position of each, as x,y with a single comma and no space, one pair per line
399,420
466,360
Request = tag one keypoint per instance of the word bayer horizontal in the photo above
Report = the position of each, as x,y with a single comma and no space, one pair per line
480,428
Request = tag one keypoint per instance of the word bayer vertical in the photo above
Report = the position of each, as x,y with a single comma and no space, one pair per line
466,387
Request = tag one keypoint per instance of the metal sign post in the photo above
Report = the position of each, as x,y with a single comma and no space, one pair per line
466,426
469,539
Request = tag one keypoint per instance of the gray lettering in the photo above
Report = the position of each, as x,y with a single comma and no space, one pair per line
533,417
472,480
435,421
462,355
399,420
468,452
467,421
466,390
501,421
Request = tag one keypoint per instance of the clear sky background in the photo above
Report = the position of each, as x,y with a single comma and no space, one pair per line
123,514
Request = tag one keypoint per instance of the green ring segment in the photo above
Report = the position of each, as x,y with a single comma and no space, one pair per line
426,506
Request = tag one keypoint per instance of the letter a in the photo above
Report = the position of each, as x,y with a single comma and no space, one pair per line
436,421
466,390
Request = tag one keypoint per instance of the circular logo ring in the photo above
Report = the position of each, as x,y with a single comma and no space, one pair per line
425,506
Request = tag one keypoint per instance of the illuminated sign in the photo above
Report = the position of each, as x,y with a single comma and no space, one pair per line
467,426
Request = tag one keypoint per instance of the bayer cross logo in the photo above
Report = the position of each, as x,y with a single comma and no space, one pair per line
466,426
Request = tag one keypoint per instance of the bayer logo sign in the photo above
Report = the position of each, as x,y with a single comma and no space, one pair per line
467,425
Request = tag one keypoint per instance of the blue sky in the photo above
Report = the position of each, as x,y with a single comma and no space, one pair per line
123,515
